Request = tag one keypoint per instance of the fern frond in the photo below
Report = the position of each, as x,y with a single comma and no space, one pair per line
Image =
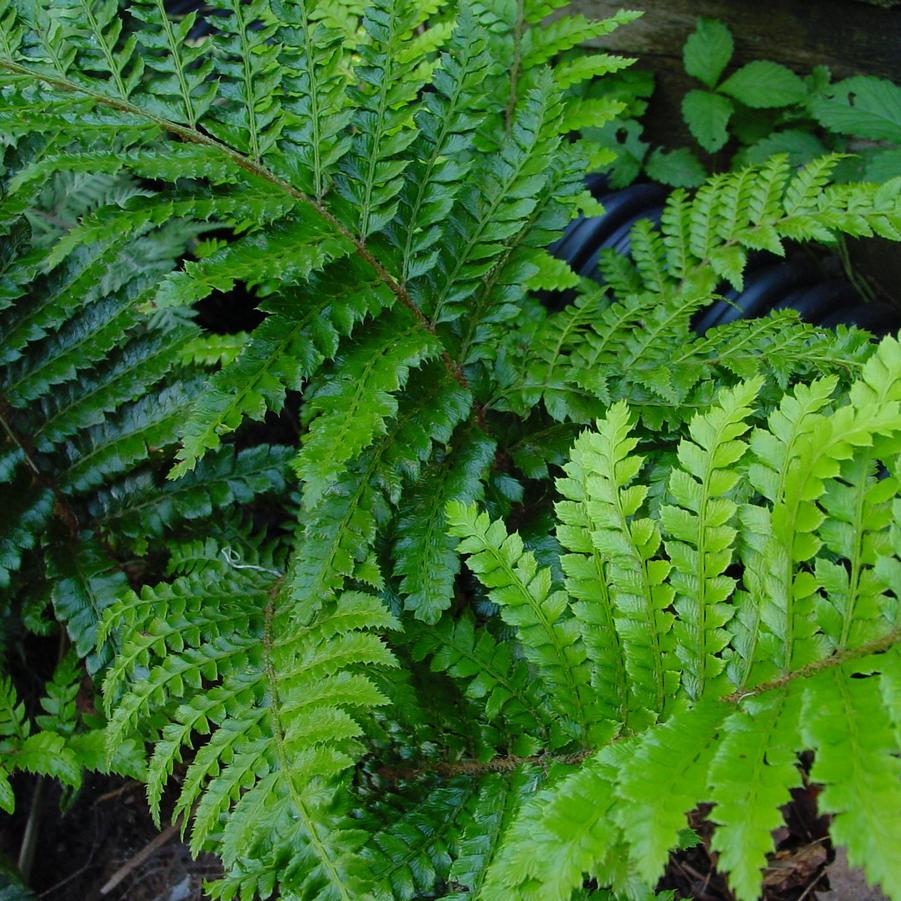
700,534
488,670
178,84
316,103
573,815
498,799
339,531
527,600
413,853
138,507
287,348
445,124
348,410
425,554
856,762
279,713
389,79
286,254
509,184
84,582
764,735
618,553
249,118
685,744
102,50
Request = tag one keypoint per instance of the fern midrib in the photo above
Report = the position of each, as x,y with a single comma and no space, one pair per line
278,734
175,56
876,646
259,170
649,612
475,236
518,30
315,110
701,570
99,38
501,822
249,100
384,83
425,180
360,396
857,550
510,763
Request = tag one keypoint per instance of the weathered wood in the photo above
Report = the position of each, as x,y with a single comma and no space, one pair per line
849,37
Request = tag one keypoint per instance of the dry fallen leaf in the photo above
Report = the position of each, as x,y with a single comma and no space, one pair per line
794,867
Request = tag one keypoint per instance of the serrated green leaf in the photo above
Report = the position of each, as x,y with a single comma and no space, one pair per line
707,116
707,51
764,85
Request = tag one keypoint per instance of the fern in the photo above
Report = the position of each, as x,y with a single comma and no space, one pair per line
279,721
734,735
625,340
59,742
309,549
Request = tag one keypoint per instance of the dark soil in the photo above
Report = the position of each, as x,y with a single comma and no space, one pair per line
82,852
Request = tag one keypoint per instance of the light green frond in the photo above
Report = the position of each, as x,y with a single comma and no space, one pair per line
619,549
700,535
528,601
